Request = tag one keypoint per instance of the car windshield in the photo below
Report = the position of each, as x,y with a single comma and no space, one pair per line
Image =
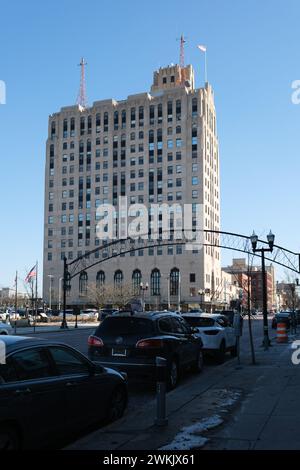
199,321
125,326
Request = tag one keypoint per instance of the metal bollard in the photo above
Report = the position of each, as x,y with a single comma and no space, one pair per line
161,377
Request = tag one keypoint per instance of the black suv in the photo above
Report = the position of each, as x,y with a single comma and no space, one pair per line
131,343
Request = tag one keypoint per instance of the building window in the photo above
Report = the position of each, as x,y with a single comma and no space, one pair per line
100,279
136,281
192,277
118,278
174,281
83,280
155,282
194,180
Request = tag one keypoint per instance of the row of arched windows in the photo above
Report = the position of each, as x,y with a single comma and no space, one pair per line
155,281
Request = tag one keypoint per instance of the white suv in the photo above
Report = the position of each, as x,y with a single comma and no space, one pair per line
216,332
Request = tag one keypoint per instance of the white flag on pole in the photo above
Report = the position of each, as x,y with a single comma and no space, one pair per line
202,48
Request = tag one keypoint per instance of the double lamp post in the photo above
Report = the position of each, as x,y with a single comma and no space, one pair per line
263,250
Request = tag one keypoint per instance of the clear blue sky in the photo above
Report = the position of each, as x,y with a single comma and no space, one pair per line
253,56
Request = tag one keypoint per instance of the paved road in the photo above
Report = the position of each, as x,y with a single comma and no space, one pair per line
141,392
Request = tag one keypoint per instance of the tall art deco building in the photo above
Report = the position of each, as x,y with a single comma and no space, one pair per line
157,147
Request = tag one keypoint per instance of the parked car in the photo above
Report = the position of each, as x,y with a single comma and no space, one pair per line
131,343
4,315
281,317
49,389
89,313
216,332
5,329
228,313
195,310
104,312
69,313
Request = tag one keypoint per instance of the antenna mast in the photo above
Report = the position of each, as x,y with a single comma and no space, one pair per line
181,59
82,99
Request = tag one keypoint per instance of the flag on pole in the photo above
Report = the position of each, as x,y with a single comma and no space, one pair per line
202,48
31,274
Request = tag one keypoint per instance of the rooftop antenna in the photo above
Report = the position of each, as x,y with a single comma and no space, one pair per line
181,58
82,99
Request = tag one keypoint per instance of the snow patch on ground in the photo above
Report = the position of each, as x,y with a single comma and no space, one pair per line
190,437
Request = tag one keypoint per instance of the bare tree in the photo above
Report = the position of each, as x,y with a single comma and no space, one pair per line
103,295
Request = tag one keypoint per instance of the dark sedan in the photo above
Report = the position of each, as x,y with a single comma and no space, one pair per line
131,343
49,390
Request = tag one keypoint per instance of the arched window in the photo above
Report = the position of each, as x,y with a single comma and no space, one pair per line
105,121
155,282
72,127
116,120
174,281
100,279
83,280
136,281
123,118
118,278
89,124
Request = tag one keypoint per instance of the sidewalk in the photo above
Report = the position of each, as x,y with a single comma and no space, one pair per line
227,407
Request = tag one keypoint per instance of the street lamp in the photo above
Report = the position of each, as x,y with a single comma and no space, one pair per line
254,240
50,290
201,292
66,287
143,288
59,293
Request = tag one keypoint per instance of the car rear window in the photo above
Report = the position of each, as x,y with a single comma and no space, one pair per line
125,325
199,321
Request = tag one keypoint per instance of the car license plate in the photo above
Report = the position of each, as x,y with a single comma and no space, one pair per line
118,352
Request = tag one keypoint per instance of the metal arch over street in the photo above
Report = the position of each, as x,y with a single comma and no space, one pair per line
226,240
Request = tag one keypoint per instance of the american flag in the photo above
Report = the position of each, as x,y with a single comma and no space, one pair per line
31,274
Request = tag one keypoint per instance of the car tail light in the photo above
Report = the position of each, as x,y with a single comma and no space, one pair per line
151,343
94,341
211,332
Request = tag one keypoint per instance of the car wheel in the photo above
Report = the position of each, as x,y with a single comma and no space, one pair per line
198,364
118,404
3,333
220,354
172,375
9,439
